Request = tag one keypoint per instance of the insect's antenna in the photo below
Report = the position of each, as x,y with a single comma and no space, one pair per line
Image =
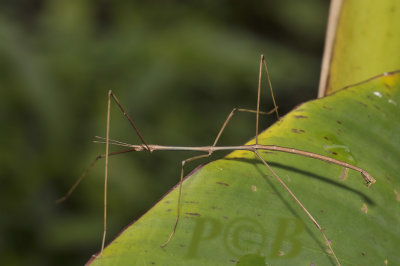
111,142
327,242
84,174
270,87
74,186
258,97
130,120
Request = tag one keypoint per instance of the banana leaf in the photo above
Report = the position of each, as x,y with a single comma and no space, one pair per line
235,212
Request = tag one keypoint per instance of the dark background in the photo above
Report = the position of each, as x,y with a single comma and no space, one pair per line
179,67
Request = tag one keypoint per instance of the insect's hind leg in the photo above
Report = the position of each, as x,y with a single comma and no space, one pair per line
327,242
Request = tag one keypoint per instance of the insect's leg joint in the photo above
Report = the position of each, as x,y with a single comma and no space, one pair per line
144,147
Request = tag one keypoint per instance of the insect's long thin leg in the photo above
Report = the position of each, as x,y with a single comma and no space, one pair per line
270,86
180,194
327,242
262,62
231,115
106,170
258,97
111,95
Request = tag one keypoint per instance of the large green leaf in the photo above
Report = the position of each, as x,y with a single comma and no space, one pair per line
234,211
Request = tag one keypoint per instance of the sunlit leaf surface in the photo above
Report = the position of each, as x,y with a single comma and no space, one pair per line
234,211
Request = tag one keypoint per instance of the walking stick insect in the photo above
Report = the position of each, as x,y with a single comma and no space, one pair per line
208,151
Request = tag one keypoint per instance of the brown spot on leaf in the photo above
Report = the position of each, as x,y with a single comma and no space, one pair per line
281,253
221,183
364,208
363,104
254,188
192,213
301,116
298,131
363,253
267,152
377,107
385,261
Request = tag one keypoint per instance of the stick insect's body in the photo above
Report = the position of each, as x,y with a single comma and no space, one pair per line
254,147
208,150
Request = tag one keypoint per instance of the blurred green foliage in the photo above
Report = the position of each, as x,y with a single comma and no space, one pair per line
179,67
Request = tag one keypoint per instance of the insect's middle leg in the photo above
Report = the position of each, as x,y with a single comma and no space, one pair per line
204,156
234,110
178,209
